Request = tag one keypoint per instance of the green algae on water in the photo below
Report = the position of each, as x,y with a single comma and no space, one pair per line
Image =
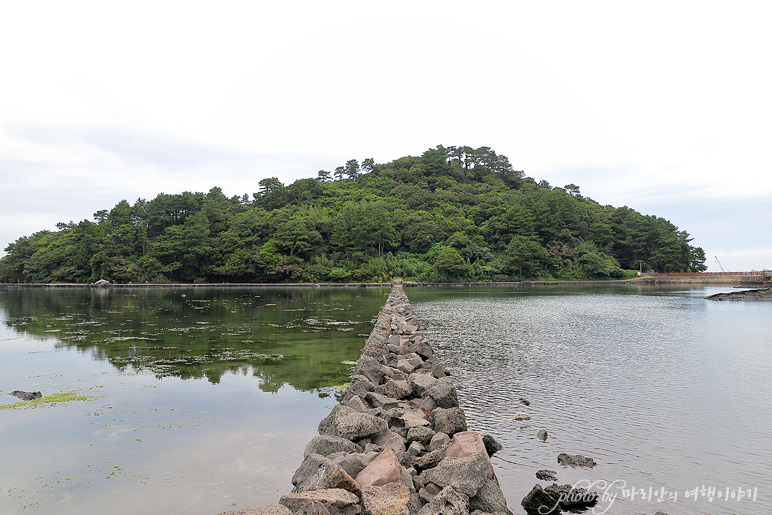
54,399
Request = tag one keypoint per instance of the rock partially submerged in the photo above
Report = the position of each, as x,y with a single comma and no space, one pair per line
556,498
546,475
26,396
764,294
575,460
491,445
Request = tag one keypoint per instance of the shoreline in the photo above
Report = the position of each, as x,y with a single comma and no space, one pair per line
750,281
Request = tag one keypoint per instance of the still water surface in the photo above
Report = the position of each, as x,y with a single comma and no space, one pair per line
665,390
201,399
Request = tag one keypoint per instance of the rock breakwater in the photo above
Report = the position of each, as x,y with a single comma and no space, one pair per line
397,442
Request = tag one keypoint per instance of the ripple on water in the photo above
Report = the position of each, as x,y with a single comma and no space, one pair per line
661,389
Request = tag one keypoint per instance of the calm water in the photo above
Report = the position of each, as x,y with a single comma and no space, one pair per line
664,389
202,400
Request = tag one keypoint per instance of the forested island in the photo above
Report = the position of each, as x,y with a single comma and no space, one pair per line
451,214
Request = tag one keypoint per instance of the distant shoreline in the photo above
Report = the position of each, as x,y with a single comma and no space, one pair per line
643,281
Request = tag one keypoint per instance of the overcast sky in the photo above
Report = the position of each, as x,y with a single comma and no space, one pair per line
662,106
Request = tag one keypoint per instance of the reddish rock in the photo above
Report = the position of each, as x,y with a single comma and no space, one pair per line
469,443
382,470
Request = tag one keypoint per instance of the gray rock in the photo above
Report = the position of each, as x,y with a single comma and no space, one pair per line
370,368
26,396
394,389
397,349
465,474
575,460
390,439
359,386
396,374
540,502
525,402
416,449
405,366
317,472
313,508
422,348
391,498
449,420
438,440
542,435
431,459
420,383
489,499
414,359
381,401
426,403
356,403
414,418
335,500
326,445
546,475
439,371
429,492
491,445
571,498
447,502
407,480
350,424
371,447
271,509
443,393
352,463
421,434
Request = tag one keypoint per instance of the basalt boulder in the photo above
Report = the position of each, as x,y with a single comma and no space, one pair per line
318,472
326,445
465,474
347,423
336,500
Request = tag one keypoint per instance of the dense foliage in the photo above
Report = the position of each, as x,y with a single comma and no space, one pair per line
454,213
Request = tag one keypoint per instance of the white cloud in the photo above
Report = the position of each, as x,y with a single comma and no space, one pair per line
658,108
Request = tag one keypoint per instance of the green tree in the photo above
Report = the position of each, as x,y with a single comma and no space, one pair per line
352,169
450,261
525,255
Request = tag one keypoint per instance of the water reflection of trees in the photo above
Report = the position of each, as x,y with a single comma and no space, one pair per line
289,336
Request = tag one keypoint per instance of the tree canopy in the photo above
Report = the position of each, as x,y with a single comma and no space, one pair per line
451,214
